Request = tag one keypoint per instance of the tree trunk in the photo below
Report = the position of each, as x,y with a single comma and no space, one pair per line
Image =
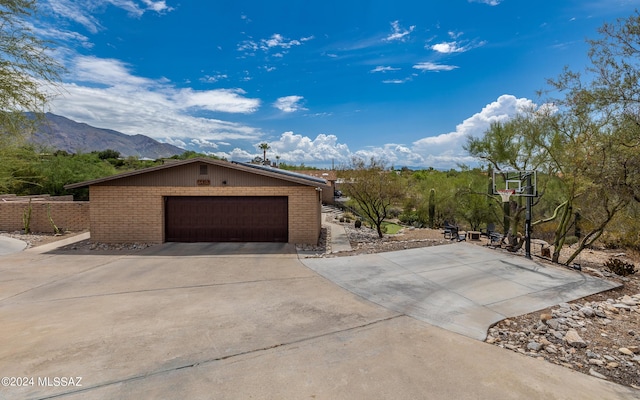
561,232
379,229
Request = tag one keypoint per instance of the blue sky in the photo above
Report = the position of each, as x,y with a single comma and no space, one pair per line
320,81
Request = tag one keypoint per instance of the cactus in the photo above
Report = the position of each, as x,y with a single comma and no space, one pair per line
432,208
56,230
26,219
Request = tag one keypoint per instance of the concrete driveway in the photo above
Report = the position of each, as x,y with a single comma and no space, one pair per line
10,245
461,287
203,321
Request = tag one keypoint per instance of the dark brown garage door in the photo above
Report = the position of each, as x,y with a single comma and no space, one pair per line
226,219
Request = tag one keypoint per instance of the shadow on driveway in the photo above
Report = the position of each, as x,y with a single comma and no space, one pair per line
172,249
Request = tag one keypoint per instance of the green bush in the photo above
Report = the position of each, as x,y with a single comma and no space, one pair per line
570,240
409,218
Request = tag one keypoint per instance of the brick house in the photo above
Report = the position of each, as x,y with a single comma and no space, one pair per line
328,175
205,200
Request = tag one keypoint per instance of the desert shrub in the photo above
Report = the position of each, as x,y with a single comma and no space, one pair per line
571,240
409,218
621,240
394,212
619,267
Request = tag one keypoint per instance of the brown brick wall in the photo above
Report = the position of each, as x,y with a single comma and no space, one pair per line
125,214
67,215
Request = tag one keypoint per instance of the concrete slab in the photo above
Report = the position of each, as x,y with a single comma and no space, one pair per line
60,243
339,238
200,322
460,287
10,245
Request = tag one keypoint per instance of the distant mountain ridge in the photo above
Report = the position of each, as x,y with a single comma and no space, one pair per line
61,133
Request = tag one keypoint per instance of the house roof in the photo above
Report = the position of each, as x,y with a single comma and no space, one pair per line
250,168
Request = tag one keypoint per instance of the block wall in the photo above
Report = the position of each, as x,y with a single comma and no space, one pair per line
67,215
129,214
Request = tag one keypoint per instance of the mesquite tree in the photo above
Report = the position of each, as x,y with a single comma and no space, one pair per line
373,188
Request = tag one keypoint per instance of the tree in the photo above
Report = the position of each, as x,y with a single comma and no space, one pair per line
264,147
373,188
107,154
510,145
605,154
27,70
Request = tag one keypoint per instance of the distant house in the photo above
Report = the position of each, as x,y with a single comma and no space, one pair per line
205,200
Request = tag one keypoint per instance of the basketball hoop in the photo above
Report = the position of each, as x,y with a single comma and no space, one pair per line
506,194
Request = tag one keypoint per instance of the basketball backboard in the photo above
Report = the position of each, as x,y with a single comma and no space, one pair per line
523,183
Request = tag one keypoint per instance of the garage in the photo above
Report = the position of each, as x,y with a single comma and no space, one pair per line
226,219
205,200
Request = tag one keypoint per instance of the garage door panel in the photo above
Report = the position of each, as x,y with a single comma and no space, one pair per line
226,219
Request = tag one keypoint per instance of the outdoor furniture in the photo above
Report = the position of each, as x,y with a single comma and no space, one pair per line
495,239
450,232
490,229
474,235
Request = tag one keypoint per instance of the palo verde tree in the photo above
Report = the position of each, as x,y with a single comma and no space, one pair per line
373,188
507,146
27,73
603,115
27,70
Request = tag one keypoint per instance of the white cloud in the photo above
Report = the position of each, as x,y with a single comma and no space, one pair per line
73,11
213,78
448,47
398,32
203,143
429,66
104,71
489,2
219,100
397,81
105,94
83,12
297,148
158,6
446,149
442,151
289,104
381,68
455,45
276,41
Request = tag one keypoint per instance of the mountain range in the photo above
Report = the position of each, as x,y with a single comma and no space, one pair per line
60,133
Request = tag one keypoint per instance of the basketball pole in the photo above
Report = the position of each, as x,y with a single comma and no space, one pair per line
527,222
